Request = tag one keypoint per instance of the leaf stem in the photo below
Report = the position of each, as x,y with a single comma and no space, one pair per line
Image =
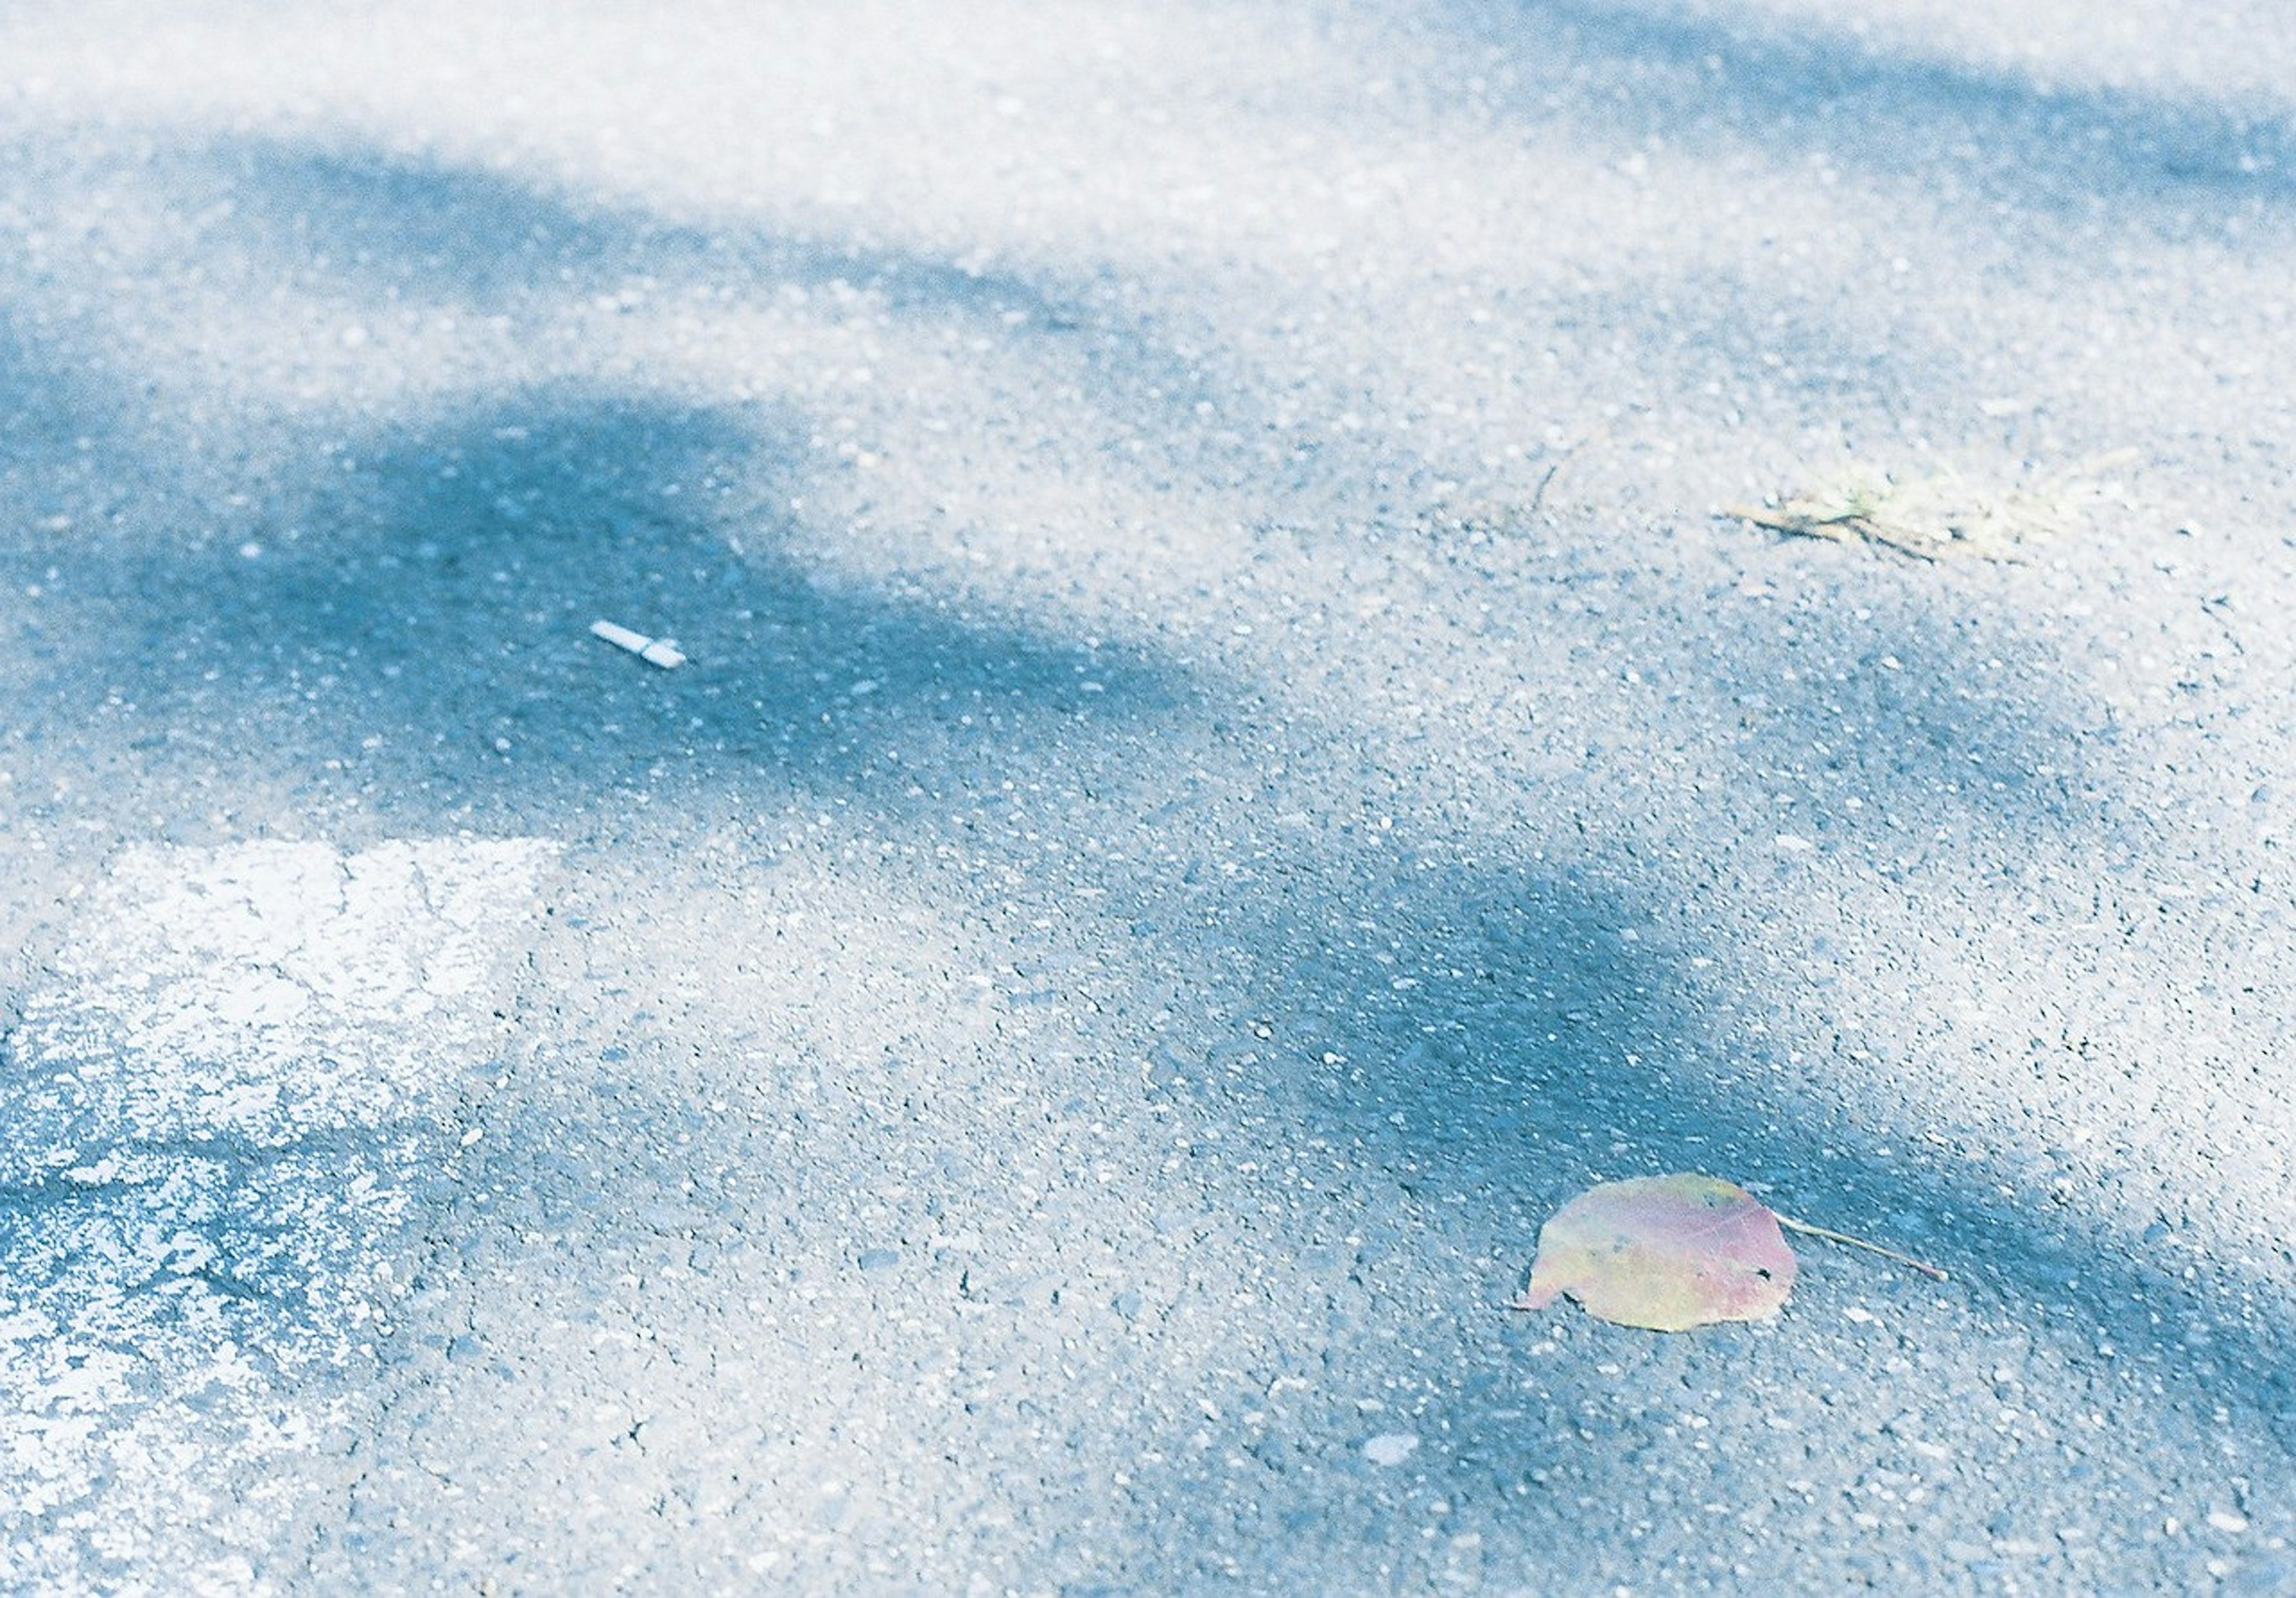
1832,1236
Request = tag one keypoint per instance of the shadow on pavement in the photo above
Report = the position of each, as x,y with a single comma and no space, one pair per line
1464,1033
2068,150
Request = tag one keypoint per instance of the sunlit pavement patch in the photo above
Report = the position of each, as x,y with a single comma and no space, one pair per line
214,1123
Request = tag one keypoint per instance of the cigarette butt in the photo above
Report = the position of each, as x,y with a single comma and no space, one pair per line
654,651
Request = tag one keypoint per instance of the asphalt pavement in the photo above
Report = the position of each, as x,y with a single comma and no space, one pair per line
1235,740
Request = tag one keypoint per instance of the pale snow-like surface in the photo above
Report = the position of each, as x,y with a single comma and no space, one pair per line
218,1113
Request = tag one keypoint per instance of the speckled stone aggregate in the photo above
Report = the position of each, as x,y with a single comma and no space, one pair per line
1226,762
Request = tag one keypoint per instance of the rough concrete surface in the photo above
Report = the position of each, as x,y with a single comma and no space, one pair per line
1230,760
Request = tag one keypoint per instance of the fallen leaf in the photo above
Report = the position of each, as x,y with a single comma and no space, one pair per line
1663,1252
1939,515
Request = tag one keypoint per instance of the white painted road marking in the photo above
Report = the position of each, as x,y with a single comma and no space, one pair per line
213,1121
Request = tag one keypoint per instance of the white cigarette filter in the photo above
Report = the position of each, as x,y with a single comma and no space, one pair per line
654,651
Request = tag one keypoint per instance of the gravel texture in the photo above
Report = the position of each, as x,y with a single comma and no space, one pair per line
1229,762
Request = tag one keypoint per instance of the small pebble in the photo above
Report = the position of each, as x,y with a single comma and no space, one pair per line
1392,1448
